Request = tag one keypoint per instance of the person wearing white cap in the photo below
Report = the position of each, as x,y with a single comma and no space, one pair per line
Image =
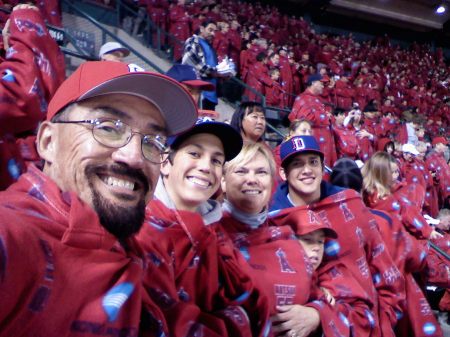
69,263
113,51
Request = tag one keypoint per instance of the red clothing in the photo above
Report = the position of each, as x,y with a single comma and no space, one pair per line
361,249
31,73
344,93
440,170
279,266
61,272
308,106
365,144
409,256
179,28
221,44
51,12
235,46
346,142
274,95
191,295
257,78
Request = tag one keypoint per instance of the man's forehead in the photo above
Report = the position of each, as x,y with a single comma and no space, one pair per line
305,155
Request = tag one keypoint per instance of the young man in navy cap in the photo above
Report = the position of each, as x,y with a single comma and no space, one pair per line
208,293
359,245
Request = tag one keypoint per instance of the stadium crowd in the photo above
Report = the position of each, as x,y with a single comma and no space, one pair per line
124,214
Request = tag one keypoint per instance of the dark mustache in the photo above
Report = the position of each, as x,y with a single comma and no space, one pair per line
124,170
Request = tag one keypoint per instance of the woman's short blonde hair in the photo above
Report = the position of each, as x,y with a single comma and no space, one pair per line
248,153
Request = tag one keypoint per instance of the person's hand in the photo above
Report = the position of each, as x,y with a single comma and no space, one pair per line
330,299
295,320
363,134
435,235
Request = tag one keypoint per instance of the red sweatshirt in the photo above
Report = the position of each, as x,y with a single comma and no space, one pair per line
280,268
61,272
205,290
32,71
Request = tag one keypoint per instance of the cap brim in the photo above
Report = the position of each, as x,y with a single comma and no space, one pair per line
202,85
330,233
125,51
174,102
230,138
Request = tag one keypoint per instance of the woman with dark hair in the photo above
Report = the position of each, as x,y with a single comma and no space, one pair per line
250,120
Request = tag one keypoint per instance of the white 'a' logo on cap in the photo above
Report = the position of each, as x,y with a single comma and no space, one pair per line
298,143
132,68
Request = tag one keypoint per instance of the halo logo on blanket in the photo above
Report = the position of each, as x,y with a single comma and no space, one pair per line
115,298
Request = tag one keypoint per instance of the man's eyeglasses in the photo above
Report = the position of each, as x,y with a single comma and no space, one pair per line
116,134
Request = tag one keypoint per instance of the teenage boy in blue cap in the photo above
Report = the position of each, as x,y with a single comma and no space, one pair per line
359,245
205,292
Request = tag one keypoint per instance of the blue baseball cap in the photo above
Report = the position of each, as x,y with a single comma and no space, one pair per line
231,139
299,144
316,77
187,74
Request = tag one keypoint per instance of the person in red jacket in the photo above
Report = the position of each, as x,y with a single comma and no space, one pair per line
359,245
31,72
344,93
221,42
381,193
72,240
346,142
273,256
179,28
257,78
440,170
407,253
308,106
274,93
208,293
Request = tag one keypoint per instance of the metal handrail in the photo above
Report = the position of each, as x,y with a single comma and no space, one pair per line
111,35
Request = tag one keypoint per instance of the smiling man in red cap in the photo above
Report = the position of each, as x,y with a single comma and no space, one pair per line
68,262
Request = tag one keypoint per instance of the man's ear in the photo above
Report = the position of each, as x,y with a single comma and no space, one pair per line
283,173
46,141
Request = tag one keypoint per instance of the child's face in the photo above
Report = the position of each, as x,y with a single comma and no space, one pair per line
313,244
275,76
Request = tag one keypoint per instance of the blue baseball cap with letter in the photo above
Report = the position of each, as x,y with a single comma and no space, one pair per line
299,144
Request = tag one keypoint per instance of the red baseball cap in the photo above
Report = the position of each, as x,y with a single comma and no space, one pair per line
98,78
438,140
302,221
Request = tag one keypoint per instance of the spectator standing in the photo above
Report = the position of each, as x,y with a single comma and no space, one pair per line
440,170
31,72
199,53
179,28
308,106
